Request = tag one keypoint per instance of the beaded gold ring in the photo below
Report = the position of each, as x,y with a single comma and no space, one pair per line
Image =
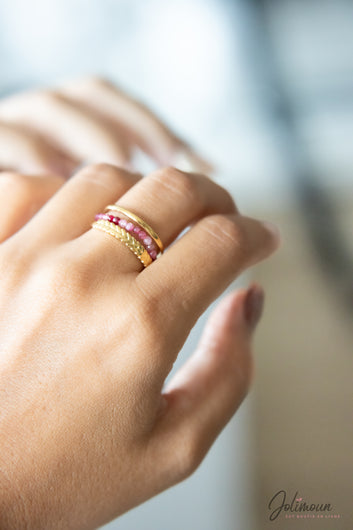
140,222
123,235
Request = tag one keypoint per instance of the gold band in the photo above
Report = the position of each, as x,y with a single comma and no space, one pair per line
122,235
139,221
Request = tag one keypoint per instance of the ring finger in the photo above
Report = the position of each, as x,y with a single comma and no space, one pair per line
168,200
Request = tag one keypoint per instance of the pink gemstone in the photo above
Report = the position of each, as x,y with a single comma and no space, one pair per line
151,247
153,254
142,235
147,240
122,223
137,229
129,227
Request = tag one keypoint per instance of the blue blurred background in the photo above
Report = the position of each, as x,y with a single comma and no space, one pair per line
264,89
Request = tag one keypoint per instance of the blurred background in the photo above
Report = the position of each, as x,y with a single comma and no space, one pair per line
264,89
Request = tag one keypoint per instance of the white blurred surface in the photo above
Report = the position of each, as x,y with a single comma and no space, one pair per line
191,60
184,58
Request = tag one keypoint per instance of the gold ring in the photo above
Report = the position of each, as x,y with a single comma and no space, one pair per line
139,221
122,235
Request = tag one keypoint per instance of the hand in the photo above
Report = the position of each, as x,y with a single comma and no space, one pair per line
88,120
46,134
87,430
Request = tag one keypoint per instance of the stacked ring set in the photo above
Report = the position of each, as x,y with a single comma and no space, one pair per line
133,231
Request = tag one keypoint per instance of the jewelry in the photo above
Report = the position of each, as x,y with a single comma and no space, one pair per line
135,230
139,221
122,235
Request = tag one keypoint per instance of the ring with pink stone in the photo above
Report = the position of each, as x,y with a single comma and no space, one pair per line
145,231
134,229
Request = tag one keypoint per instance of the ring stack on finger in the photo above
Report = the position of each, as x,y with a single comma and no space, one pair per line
133,231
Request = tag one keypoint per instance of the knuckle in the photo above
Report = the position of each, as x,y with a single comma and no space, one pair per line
102,172
178,182
227,232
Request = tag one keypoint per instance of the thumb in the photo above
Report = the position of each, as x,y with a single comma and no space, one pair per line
205,393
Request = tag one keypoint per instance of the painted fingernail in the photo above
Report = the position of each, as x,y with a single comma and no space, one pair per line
253,305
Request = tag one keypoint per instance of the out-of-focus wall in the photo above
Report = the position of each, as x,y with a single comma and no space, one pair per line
303,395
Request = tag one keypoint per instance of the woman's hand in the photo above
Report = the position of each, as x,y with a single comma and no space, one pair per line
87,341
88,120
46,134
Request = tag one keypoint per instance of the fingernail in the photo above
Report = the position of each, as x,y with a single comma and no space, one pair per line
253,306
271,227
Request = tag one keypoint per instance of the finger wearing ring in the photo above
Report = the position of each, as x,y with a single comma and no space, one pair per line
139,237
170,200
125,237
167,200
151,234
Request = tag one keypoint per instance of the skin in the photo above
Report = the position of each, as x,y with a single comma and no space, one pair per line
53,131
87,428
